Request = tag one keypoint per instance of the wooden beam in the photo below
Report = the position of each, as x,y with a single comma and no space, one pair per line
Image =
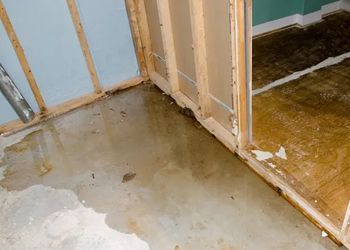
241,70
84,45
200,56
234,66
145,34
136,35
16,126
168,43
21,57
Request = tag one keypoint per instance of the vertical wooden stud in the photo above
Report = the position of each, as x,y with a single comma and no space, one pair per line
145,34
233,53
84,44
241,72
168,43
200,55
131,9
21,57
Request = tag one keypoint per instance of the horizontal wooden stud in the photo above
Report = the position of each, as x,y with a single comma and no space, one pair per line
15,126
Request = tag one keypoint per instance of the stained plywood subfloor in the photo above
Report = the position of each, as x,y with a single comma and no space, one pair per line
280,54
310,118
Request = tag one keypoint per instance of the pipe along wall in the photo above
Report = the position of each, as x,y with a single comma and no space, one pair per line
14,97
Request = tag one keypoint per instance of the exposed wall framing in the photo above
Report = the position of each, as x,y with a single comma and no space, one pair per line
145,62
236,137
153,36
200,56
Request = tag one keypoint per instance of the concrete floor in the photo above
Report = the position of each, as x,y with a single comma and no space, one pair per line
152,171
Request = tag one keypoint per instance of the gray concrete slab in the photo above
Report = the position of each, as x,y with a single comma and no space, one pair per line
153,172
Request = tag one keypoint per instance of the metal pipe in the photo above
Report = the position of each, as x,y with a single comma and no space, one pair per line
14,97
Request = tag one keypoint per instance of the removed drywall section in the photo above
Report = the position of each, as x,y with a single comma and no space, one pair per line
9,61
108,32
219,59
49,40
156,37
182,31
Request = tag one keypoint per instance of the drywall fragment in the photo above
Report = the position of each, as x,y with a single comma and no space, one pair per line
282,153
324,234
262,155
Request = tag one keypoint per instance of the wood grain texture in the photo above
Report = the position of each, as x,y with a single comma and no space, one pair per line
142,22
136,35
84,45
306,48
168,43
21,57
241,69
200,56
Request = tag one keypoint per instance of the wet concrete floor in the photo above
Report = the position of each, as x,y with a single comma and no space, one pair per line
155,172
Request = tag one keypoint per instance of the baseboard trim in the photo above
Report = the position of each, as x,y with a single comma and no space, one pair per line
302,20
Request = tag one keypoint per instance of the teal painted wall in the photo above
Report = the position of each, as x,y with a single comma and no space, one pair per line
269,10
314,5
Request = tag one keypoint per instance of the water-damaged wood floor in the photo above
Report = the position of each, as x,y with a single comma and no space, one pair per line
308,117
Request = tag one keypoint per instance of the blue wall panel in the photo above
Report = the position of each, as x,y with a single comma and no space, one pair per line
49,40
108,32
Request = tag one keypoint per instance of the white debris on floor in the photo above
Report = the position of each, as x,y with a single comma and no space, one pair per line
41,217
262,155
282,153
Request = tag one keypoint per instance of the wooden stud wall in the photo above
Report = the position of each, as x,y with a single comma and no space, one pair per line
145,63
239,138
149,40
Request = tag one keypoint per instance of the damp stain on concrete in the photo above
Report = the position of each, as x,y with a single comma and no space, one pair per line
181,197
